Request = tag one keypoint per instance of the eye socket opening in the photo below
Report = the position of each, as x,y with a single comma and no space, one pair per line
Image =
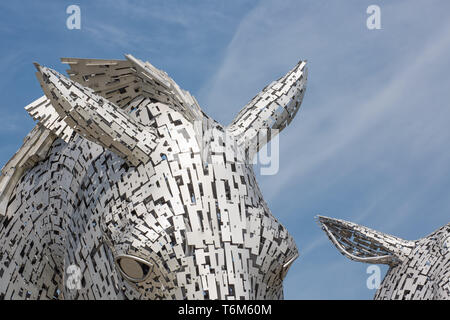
133,268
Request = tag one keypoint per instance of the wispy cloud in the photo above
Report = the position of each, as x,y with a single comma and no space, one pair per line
370,142
116,37
343,121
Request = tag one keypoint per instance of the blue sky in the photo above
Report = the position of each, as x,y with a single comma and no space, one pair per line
370,143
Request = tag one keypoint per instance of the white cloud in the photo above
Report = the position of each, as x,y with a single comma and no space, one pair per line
373,128
350,117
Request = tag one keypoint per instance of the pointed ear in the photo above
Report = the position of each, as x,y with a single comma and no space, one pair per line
95,118
271,110
363,244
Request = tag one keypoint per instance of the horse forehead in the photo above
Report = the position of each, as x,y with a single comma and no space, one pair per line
163,116
147,112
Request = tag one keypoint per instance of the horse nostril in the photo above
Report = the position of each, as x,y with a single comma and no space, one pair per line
133,268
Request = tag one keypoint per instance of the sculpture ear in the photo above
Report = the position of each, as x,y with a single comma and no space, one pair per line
271,110
363,244
95,118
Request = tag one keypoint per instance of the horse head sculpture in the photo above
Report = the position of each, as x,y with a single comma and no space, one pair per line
417,269
127,189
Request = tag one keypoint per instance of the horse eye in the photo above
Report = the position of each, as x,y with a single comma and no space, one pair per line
133,268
